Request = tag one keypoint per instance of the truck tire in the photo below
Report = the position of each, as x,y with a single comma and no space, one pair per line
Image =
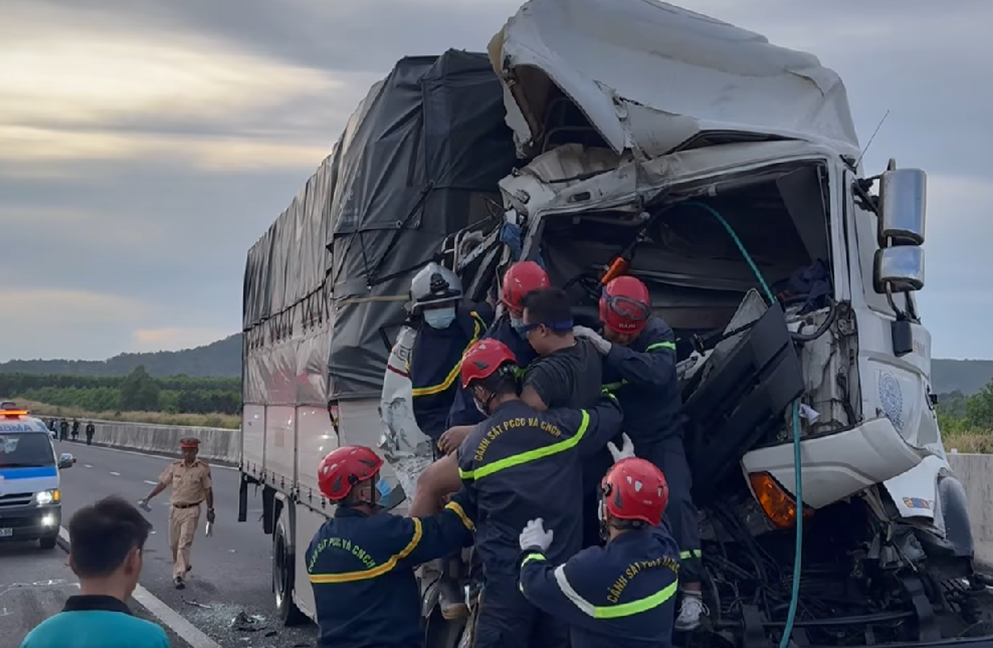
282,580
48,543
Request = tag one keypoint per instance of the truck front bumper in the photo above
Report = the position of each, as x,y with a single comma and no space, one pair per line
30,522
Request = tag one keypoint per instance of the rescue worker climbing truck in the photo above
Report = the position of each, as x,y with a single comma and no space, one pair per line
787,273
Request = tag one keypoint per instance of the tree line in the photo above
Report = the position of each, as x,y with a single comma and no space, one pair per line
958,412
136,392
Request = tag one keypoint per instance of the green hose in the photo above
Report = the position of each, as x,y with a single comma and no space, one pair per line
797,472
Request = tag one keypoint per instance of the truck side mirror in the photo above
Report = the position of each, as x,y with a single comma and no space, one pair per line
902,207
899,263
901,268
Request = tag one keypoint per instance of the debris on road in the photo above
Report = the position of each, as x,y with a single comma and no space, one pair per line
246,623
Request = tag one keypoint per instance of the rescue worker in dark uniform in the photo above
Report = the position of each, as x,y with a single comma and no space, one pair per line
63,429
639,353
75,429
361,562
519,279
90,431
622,595
517,465
448,328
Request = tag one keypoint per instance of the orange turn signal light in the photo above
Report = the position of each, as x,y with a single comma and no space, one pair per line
776,501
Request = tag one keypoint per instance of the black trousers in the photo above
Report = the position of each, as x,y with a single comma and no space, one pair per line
681,514
507,620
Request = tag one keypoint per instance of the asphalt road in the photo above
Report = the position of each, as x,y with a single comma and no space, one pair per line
231,570
34,585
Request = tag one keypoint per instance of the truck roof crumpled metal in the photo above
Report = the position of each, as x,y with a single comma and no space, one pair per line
650,76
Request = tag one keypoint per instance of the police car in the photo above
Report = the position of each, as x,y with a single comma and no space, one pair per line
30,499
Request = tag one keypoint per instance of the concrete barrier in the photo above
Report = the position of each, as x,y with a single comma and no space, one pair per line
975,471
216,444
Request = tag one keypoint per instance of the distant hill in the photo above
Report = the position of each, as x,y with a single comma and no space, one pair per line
220,359
966,376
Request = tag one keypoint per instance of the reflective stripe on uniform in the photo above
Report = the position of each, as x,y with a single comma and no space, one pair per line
612,611
535,557
374,572
692,553
456,508
614,386
530,455
478,326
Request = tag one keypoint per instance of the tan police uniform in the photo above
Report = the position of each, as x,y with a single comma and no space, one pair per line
189,489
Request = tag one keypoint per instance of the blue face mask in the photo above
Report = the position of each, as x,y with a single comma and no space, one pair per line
440,318
518,326
384,488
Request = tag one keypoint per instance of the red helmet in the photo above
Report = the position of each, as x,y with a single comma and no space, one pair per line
625,305
635,489
345,467
520,279
484,358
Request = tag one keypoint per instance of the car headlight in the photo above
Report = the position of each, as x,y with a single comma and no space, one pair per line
48,496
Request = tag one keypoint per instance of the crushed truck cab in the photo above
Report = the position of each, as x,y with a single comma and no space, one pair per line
30,494
722,171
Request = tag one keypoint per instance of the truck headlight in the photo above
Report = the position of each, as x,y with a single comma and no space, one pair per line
48,497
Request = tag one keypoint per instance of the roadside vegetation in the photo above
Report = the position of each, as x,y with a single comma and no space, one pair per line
137,397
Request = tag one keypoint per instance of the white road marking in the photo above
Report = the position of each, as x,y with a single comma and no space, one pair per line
87,466
151,482
165,614
115,474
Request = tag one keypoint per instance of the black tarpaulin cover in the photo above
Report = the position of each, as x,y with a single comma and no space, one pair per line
417,161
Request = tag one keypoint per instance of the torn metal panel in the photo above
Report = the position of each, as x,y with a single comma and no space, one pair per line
704,77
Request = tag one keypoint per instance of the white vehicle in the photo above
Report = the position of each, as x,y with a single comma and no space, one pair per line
724,172
30,497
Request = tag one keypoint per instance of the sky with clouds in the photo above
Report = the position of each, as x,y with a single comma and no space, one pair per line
145,145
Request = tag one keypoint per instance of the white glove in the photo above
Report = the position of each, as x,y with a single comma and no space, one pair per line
534,535
602,345
626,451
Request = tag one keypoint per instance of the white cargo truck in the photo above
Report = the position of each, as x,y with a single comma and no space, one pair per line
725,173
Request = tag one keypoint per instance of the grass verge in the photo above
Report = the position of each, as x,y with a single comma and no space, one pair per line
43,410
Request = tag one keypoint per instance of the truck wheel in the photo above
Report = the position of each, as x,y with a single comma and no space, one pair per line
282,581
48,543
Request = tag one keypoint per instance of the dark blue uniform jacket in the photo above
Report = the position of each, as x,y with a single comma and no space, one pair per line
619,596
463,410
362,571
643,377
435,363
522,464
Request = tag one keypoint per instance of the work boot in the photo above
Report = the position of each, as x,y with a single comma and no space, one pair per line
179,583
690,611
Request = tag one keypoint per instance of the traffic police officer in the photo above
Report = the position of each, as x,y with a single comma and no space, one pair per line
361,562
517,465
639,352
191,486
622,595
449,327
519,279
